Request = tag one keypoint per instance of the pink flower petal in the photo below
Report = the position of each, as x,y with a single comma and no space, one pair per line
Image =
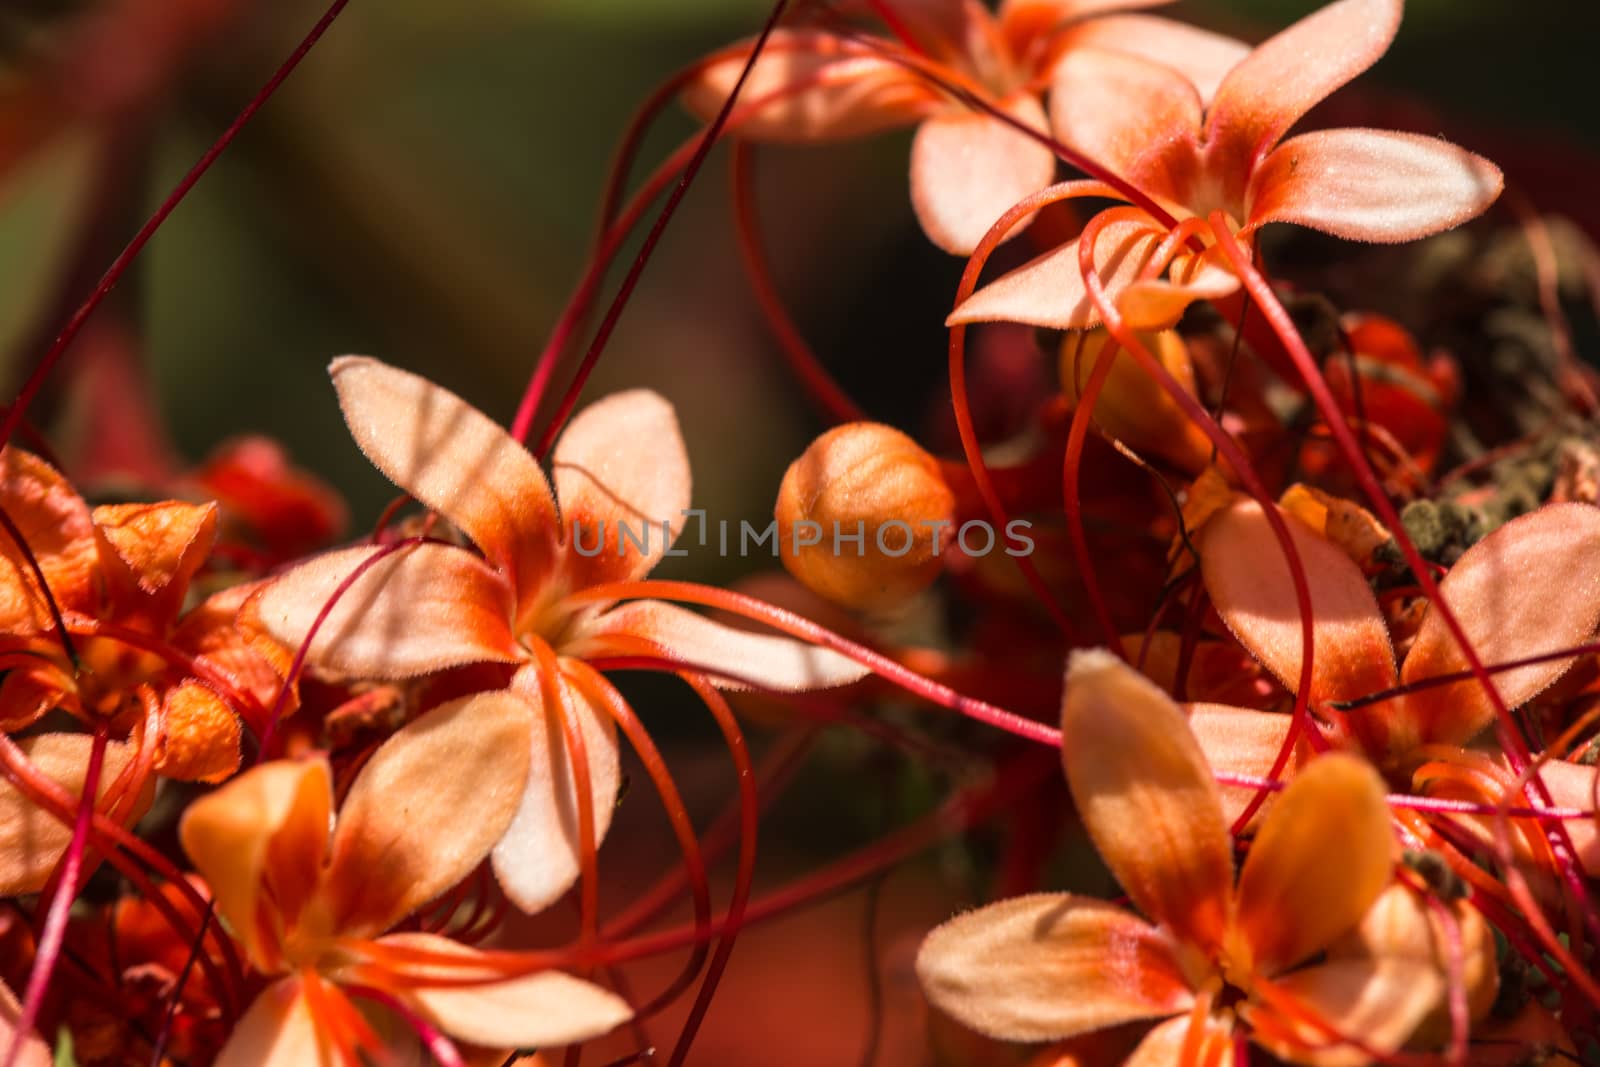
541,1010
417,611
842,90
456,460
764,660
426,809
1246,742
278,1030
1127,113
968,168
1532,586
1249,581
537,859
1202,57
1289,74
622,478
1049,290
1372,185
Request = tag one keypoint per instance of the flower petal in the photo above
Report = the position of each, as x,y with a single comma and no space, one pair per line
1573,785
1296,894
1049,290
1160,303
426,809
622,477
32,840
278,1030
1147,796
1290,73
1249,581
200,736
537,859
1165,1045
1121,111
456,460
968,168
259,842
148,554
1242,741
1203,58
416,611
55,523
750,660
843,90
1378,1002
1049,966
1372,185
541,1010
1032,23
1530,587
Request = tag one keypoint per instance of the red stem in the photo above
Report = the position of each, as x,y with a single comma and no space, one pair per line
119,266
55,924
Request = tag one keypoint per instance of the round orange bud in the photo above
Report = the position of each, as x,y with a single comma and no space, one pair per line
864,516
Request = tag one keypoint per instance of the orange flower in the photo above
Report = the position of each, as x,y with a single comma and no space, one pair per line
1525,590
967,167
1197,149
622,482
1215,956
310,905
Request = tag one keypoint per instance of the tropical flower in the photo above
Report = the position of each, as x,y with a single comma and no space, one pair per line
1215,957
622,484
1525,590
309,895
1196,150
967,166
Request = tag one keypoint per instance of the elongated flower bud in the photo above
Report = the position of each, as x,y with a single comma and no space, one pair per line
864,515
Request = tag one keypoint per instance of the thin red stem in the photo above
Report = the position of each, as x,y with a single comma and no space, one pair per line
108,281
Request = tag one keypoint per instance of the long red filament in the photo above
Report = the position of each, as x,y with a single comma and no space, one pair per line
55,925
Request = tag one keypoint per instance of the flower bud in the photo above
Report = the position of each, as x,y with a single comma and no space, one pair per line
1132,406
864,515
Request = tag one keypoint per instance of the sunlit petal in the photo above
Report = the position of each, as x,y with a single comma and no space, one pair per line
1147,796
419,609
537,859
1377,1002
456,460
277,1031
1298,890
1530,587
1049,290
1049,966
1290,73
54,522
1249,581
1372,185
259,842
1246,742
622,478
539,1010
427,808
1120,110
968,168
749,659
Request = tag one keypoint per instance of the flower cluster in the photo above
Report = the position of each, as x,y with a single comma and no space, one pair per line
1325,708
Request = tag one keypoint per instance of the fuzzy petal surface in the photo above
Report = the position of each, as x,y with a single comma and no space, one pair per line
968,168
540,1010
1372,185
1249,581
415,611
622,477
1530,587
456,460
1379,1002
537,859
1050,966
750,660
1322,857
1147,796
426,809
